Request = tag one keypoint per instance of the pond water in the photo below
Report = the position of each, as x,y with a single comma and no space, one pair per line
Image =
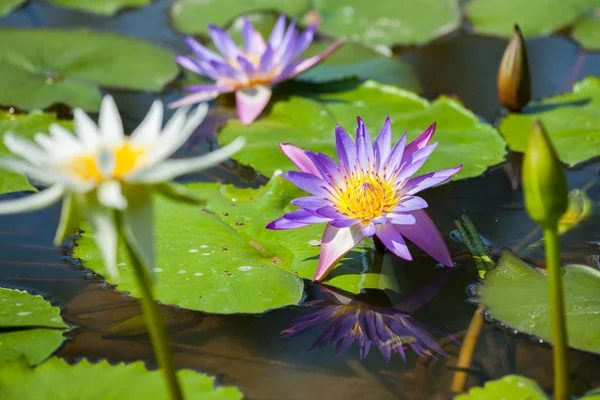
247,350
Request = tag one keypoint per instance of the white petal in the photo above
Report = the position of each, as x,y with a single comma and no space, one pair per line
148,130
175,136
32,202
170,169
24,148
106,162
111,127
138,231
102,221
111,196
63,136
86,129
45,176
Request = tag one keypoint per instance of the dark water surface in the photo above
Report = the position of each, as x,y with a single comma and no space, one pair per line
247,350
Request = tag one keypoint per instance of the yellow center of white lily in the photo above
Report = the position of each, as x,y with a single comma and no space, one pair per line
366,196
126,158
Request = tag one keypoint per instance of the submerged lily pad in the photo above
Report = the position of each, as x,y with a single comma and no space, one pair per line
517,295
534,17
587,32
42,67
309,122
571,121
57,379
221,259
30,327
508,387
25,125
374,22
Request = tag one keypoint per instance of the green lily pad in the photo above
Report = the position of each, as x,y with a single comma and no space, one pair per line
517,295
103,7
570,119
57,379
534,17
30,327
25,125
42,67
309,122
8,5
372,23
221,259
587,32
508,387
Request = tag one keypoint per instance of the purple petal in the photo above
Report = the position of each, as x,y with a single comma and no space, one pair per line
309,63
200,51
364,147
367,324
250,102
345,147
425,235
426,181
421,141
330,211
383,142
277,32
224,70
223,42
393,240
201,97
328,169
311,202
266,60
288,49
392,163
211,87
365,345
310,183
284,224
401,218
367,228
344,222
299,158
290,34
305,217
411,164
335,244
189,63
304,40
253,41
343,345
344,323
246,66
410,203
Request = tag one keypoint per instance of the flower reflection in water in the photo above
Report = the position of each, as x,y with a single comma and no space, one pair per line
346,320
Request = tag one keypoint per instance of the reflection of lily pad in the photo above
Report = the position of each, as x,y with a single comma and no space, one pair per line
534,17
104,7
517,295
6,6
587,32
30,327
309,122
25,125
57,379
570,119
509,387
42,67
222,259
372,22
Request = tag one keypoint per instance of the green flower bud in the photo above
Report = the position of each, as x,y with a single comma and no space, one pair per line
544,179
514,88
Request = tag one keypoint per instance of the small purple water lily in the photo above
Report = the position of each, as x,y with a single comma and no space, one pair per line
249,72
346,320
369,193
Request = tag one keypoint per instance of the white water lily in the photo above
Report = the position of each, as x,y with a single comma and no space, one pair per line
108,177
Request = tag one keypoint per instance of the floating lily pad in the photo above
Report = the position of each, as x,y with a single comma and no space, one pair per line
309,122
517,295
374,22
534,17
57,379
221,259
42,67
6,6
508,387
104,7
587,32
25,125
30,327
570,119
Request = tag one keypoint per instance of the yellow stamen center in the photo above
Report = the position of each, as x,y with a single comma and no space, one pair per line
366,196
126,159
256,79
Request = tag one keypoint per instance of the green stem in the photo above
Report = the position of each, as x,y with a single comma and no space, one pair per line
156,326
560,347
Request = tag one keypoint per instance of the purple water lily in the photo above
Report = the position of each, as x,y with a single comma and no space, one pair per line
249,72
369,193
346,320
